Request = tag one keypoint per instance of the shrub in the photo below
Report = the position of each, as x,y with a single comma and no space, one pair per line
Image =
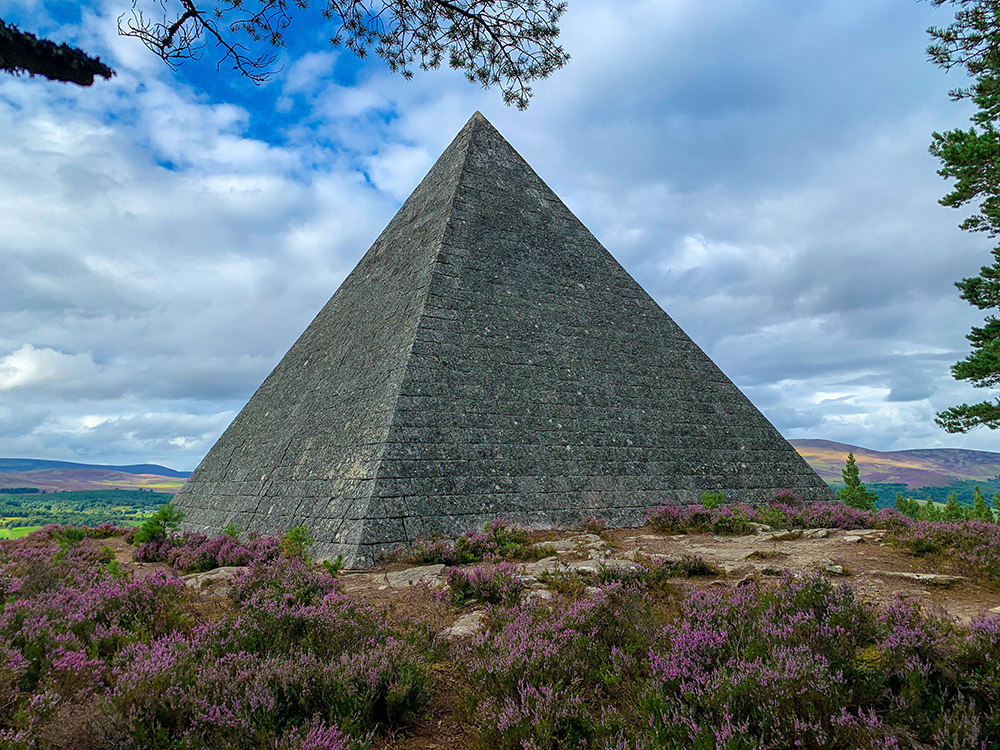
296,664
296,542
712,500
540,674
594,525
156,527
494,584
497,541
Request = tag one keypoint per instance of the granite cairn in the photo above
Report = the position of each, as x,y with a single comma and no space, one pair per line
486,358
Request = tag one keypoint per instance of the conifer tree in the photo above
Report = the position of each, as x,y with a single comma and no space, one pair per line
855,494
981,509
952,510
972,158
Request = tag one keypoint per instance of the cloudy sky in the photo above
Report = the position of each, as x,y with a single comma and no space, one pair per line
760,168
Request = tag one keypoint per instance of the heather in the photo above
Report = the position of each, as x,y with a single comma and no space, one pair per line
631,649
93,656
497,541
495,584
191,552
805,664
560,674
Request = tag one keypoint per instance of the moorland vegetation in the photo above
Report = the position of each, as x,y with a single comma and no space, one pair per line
95,652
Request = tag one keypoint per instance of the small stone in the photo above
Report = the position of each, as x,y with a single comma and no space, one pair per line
537,595
815,534
787,536
540,566
759,528
621,564
851,539
561,546
465,626
201,580
994,610
831,568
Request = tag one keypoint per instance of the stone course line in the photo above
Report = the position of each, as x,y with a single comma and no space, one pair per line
486,358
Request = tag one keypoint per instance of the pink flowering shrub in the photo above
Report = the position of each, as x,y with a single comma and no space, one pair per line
806,664
973,543
295,663
493,583
497,541
539,673
191,552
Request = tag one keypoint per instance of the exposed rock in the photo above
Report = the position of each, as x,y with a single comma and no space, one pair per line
410,576
537,595
815,534
931,579
853,539
759,528
467,625
831,568
199,581
621,564
534,569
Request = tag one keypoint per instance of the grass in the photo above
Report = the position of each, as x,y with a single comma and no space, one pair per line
17,532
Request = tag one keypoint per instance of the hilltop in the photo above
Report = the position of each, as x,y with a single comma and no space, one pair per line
924,474
67,476
818,624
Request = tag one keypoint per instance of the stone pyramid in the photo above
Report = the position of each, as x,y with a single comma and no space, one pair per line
486,358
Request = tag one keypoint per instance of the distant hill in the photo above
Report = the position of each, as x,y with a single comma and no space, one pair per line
925,467
62,476
40,464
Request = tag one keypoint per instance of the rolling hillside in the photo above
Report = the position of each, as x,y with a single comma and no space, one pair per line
931,467
62,476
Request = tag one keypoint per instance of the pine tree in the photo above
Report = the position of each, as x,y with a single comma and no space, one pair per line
952,510
855,494
972,158
981,509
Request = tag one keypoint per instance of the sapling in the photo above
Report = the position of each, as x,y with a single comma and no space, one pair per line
157,526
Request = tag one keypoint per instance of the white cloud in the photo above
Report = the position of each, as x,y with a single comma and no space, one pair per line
28,367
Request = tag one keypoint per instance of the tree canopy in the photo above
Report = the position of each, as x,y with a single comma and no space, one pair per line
504,43
972,159
21,52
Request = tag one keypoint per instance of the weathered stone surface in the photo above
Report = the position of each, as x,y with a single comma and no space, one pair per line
831,568
465,626
486,358
931,579
403,578
207,580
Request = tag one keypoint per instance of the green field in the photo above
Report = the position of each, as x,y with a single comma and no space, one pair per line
17,532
